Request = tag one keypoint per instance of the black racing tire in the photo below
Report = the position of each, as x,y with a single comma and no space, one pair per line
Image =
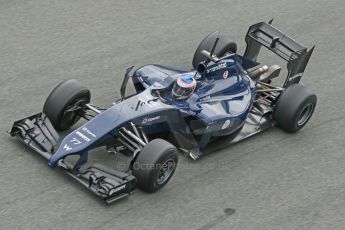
294,108
64,96
158,155
224,45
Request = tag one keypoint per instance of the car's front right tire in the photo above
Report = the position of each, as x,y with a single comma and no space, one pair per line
63,97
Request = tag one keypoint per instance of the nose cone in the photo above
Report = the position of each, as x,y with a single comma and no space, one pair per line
78,141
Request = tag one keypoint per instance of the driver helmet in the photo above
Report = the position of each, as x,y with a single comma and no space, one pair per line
184,87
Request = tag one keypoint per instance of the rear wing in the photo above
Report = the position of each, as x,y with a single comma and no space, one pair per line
296,55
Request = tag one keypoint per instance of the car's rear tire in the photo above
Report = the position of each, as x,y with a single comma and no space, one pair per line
155,165
224,45
294,108
63,97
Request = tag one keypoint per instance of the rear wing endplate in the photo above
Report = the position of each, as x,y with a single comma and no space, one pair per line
296,55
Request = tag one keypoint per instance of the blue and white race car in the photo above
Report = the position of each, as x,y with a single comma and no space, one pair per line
226,97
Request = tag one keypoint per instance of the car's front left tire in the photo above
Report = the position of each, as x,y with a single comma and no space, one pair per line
155,165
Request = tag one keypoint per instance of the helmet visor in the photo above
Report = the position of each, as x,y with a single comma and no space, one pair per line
181,92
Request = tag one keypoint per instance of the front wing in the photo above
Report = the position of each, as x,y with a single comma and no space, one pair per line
37,133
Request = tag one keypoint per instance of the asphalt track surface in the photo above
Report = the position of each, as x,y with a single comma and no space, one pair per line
272,181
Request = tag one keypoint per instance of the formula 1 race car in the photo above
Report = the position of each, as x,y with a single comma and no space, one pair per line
225,98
